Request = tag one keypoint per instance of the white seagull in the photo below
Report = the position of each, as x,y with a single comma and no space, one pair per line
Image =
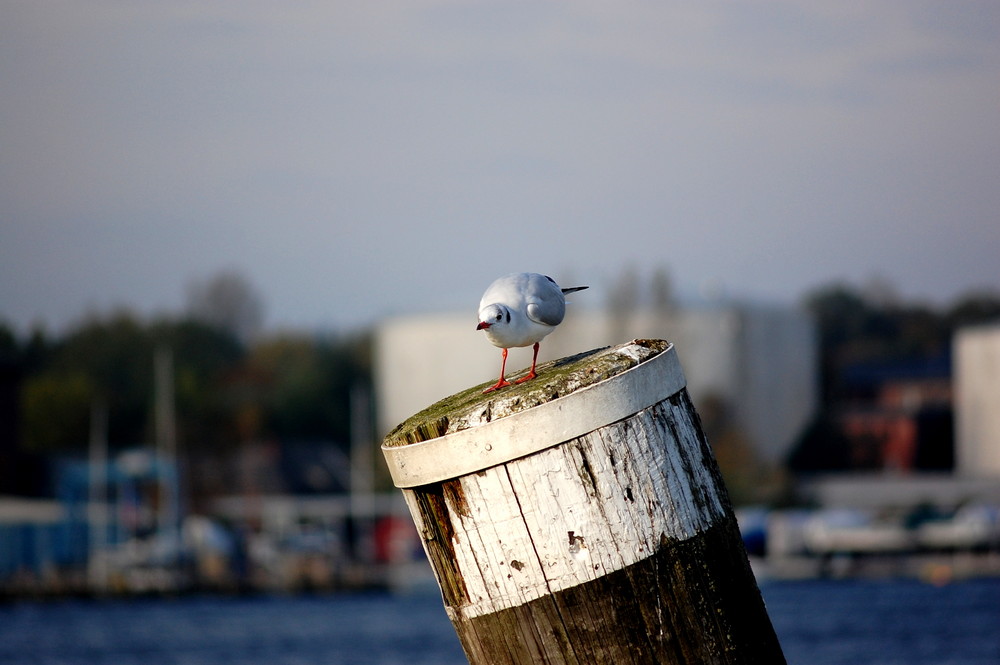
520,309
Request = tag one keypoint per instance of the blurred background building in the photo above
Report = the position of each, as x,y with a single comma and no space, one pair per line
755,364
977,403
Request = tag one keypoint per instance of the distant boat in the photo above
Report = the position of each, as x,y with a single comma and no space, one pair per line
971,527
853,531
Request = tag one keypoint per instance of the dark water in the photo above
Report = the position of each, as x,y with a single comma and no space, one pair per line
821,623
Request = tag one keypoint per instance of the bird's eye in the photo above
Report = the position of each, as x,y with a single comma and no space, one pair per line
499,316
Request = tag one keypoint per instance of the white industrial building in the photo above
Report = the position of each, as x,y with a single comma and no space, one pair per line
977,401
760,361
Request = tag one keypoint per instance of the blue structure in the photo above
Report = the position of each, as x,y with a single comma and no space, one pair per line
31,542
38,538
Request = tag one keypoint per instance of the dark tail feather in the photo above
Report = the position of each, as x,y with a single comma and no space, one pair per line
574,289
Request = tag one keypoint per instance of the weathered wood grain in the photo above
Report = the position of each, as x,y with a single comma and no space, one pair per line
617,546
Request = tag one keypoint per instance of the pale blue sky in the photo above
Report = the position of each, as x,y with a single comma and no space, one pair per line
365,159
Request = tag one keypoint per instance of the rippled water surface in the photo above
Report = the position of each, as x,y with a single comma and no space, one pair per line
824,623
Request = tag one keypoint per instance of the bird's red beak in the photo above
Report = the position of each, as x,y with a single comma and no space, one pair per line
482,325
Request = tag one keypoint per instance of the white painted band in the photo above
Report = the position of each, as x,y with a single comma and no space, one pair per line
543,426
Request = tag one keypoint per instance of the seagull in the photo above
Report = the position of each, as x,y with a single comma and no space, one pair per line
520,309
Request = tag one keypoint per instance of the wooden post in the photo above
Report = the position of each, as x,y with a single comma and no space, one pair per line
580,518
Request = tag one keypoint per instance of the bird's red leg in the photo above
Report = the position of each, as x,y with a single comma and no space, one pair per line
531,374
502,382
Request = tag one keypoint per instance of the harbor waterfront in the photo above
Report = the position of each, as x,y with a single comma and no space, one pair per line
819,622
328,544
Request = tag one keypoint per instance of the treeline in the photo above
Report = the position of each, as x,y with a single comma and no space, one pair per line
226,391
871,324
234,385
231,384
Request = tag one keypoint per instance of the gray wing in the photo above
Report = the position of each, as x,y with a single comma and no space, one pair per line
551,314
545,302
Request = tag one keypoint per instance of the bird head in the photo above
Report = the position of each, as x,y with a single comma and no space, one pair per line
493,315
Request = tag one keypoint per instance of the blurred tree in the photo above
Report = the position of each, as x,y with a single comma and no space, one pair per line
206,363
112,359
821,447
853,330
227,301
35,352
735,456
55,412
114,355
306,384
9,348
289,387
21,473
919,332
842,319
11,373
845,318
974,308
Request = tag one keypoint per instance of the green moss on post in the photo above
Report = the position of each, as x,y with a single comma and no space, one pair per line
555,379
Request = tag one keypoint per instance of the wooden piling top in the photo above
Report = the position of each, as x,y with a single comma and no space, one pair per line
580,517
557,378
